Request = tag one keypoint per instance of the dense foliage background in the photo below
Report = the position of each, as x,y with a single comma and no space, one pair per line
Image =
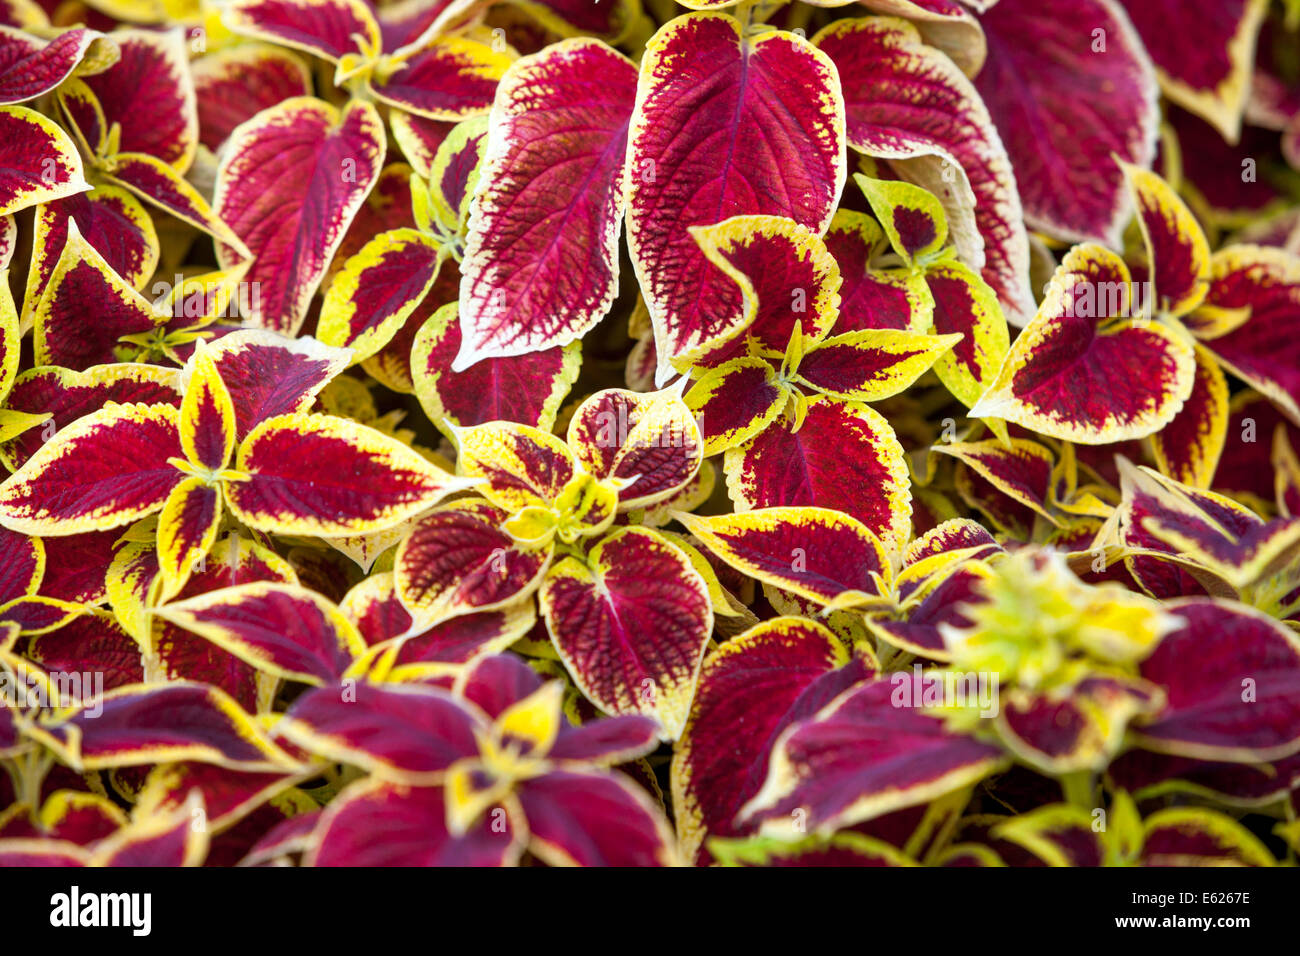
456,432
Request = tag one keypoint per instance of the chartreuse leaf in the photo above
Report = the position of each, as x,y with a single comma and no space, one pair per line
912,218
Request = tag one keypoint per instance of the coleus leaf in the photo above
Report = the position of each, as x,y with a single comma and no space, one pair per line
541,258
908,104
816,553
419,138
207,420
937,604
405,732
158,839
33,67
8,240
647,442
841,850
1039,62
36,615
389,205
1177,252
378,289
1184,836
1263,285
86,309
1211,534
188,526
453,176
1189,447
289,182
228,796
149,158
329,29
1154,509
415,831
105,470
786,277
874,298
40,161
964,304
92,640
1205,66
176,654
111,220
871,364
148,97
155,723
391,365
520,466
1230,673
233,85
1023,470
631,620
135,589
707,95
945,25
287,631
10,340
373,608
72,815
912,218
22,565
775,675
1075,729
1241,785
458,560
322,475
1064,835
434,75
525,388
958,538
735,401
863,756
577,813
449,77
588,819
843,455
64,396
155,181
1085,372
269,374
414,654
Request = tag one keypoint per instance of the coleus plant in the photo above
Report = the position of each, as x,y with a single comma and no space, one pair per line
917,484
